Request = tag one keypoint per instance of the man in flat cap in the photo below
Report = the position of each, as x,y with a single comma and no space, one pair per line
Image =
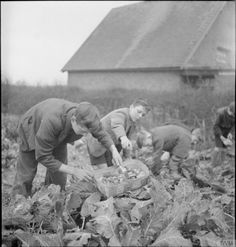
44,131
171,145
223,129
121,124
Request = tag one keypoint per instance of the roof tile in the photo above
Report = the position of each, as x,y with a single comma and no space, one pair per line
150,34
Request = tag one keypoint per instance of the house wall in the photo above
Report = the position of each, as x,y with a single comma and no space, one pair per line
159,81
225,82
156,81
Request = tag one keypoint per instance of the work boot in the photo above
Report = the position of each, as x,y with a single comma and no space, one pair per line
173,165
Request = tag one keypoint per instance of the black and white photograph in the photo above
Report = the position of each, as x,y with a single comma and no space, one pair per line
118,123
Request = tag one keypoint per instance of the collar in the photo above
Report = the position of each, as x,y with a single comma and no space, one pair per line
131,120
68,114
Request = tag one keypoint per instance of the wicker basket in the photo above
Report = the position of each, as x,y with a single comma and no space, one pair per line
128,184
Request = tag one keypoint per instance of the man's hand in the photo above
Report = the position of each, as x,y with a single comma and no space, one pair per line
230,136
126,143
83,174
116,158
165,156
226,141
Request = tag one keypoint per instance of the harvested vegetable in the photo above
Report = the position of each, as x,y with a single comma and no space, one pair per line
128,173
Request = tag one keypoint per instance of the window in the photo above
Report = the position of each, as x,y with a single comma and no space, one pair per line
197,80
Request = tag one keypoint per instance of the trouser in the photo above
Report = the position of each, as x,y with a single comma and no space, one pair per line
173,164
157,165
218,141
26,170
218,156
106,158
219,152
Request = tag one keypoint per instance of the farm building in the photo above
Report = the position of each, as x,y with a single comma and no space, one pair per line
159,45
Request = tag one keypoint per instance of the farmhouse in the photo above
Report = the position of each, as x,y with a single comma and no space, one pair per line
159,45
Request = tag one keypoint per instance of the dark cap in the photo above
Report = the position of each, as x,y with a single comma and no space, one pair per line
87,114
232,107
142,135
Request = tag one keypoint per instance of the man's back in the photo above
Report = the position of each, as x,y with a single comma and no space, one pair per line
48,114
224,120
169,136
52,106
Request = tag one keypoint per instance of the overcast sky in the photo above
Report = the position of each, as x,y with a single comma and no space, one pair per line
38,38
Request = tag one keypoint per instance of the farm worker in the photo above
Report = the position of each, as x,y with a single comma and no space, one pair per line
171,145
44,131
121,124
223,131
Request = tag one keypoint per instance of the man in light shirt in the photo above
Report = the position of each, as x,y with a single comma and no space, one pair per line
121,124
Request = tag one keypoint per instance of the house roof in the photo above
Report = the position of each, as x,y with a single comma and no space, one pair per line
150,34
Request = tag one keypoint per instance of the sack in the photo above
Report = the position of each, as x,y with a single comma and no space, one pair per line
110,189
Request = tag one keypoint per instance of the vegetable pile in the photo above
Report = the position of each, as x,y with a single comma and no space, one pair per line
128,173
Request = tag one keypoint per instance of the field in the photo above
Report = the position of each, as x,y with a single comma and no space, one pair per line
198,211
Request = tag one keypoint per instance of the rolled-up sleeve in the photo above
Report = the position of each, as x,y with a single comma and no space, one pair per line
157,148
117,125
45,143
102,136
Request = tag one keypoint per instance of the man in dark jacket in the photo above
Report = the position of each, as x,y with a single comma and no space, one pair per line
44,131
171,145
223,131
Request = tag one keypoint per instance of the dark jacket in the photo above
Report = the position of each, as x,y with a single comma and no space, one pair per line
47,125
173,139
224,123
